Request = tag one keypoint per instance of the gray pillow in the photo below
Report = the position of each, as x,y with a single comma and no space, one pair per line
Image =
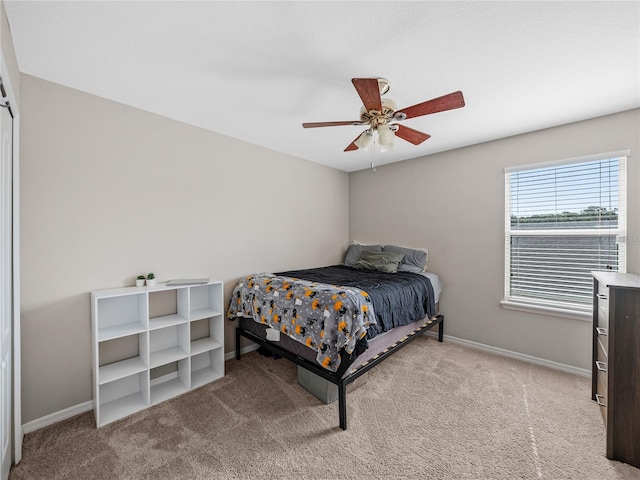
382,261
354,251
414,260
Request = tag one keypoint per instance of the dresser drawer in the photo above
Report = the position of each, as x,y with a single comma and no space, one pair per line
603,316
603,291
603,343
603,296
601,365
601,395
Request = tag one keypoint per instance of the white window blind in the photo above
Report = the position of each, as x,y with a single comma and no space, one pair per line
564,220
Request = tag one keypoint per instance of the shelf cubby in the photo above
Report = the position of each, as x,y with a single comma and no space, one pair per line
122,316
122,357
205,301
205,367
168,308
122,397
172,384
168,345
206,334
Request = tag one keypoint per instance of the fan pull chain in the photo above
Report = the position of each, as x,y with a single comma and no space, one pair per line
373,153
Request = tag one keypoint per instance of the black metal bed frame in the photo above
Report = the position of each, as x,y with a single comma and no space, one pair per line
339,378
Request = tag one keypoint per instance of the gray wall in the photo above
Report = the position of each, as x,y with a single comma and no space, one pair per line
453,204
109,192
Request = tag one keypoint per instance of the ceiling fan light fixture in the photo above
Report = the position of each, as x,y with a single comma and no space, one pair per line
364,140
385,137
384,148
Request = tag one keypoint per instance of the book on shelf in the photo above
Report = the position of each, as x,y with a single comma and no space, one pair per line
187,281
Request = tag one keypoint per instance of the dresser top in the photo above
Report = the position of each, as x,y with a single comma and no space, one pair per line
615,279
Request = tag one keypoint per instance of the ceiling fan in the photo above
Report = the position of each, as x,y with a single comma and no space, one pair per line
381,115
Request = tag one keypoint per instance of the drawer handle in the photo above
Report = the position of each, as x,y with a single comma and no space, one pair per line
601,366
601,296
601,331
600,400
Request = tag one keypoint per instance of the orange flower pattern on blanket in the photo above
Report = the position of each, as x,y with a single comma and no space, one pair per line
326,318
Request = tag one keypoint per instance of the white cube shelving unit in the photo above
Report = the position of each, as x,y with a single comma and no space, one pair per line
126,385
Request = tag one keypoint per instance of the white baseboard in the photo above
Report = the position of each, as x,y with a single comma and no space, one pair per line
243,350
55,417
518,356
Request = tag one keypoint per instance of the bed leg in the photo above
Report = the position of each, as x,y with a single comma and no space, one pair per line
441,330
237,343
342,404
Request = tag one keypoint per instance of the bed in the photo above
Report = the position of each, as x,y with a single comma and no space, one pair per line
338,322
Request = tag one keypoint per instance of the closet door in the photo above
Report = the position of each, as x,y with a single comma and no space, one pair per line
6,288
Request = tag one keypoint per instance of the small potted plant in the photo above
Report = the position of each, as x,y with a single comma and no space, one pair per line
151,280
140,281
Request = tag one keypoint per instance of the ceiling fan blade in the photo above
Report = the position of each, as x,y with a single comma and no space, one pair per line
330,124
411,135
369,91
352,146
440,104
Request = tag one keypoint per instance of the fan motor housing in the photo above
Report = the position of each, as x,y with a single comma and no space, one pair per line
375,118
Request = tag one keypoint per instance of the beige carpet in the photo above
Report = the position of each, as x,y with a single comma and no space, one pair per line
433,410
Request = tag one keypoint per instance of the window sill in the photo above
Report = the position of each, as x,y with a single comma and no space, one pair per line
547,310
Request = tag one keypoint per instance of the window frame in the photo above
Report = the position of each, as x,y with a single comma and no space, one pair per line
551,307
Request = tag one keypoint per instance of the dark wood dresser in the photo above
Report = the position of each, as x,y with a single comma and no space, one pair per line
616,361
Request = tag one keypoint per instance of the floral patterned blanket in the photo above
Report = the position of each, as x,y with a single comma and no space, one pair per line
326,318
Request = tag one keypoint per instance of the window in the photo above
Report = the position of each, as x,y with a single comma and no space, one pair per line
563,220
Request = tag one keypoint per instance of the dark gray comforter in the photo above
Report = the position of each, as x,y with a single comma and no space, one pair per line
398,298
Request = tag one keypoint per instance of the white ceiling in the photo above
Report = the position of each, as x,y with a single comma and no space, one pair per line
257,70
